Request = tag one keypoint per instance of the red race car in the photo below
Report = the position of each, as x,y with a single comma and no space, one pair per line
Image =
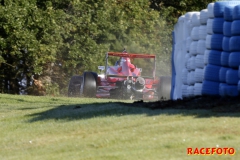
131,76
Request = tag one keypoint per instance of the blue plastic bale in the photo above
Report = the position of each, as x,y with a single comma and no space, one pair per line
236,12
228,13
217,26
239,72
225,44
227,28
212,73
214,57
219,7
235,30
216,41
222,89
234,44
224,58
239,86
234,59
232,77
210,88
222,74
232,90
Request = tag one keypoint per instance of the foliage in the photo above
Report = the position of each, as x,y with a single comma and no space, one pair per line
58,39
171,9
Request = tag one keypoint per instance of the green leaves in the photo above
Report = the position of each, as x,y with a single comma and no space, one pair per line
75,35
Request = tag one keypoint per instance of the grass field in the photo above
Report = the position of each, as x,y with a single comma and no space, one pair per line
49,128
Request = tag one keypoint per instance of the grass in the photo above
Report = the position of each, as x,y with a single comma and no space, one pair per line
37,128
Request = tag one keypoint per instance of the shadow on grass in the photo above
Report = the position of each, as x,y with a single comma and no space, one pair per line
184,108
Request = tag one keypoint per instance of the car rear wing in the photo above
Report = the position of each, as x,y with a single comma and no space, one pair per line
120,76
130,55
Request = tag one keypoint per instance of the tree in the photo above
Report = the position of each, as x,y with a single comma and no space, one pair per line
28,41
53,40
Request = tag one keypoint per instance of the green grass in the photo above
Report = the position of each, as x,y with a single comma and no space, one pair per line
39,128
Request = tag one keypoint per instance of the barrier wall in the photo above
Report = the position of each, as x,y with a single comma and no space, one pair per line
206,52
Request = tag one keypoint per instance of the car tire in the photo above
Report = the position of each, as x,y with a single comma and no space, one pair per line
164,88
74,86
89,85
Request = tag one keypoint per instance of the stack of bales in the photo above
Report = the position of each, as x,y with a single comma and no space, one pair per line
227,86
181,31
232,78
217,45
213,52
192,23
201,47
205,51
191,65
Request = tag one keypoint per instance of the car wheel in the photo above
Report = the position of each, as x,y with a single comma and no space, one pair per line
164,88
89,85
74,86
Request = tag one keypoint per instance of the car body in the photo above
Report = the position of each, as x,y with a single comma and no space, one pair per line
123,80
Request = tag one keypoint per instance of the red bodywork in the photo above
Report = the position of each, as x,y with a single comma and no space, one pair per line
124,71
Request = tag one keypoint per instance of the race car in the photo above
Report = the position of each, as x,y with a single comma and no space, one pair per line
129,76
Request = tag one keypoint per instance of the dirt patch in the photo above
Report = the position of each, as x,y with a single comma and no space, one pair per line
217,104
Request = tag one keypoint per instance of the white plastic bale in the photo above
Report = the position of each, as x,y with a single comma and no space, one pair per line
206,56
201,46
209,26
184,76
189,64
187,56
204,69
197,89
199,60
203,16
202,32
192,63
193,48
190,91
181,19
190,78
184,91
179,55
188,15
178,79
178,30
210,10
187,24
195,33
189,41
208,41
196,19
199,75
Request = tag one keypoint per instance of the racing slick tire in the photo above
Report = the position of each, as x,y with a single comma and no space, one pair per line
89,85
164,88
74,86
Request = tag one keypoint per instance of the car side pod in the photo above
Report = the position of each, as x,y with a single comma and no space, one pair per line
164,88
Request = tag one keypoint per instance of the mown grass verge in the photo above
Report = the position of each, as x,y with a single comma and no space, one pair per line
33,128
